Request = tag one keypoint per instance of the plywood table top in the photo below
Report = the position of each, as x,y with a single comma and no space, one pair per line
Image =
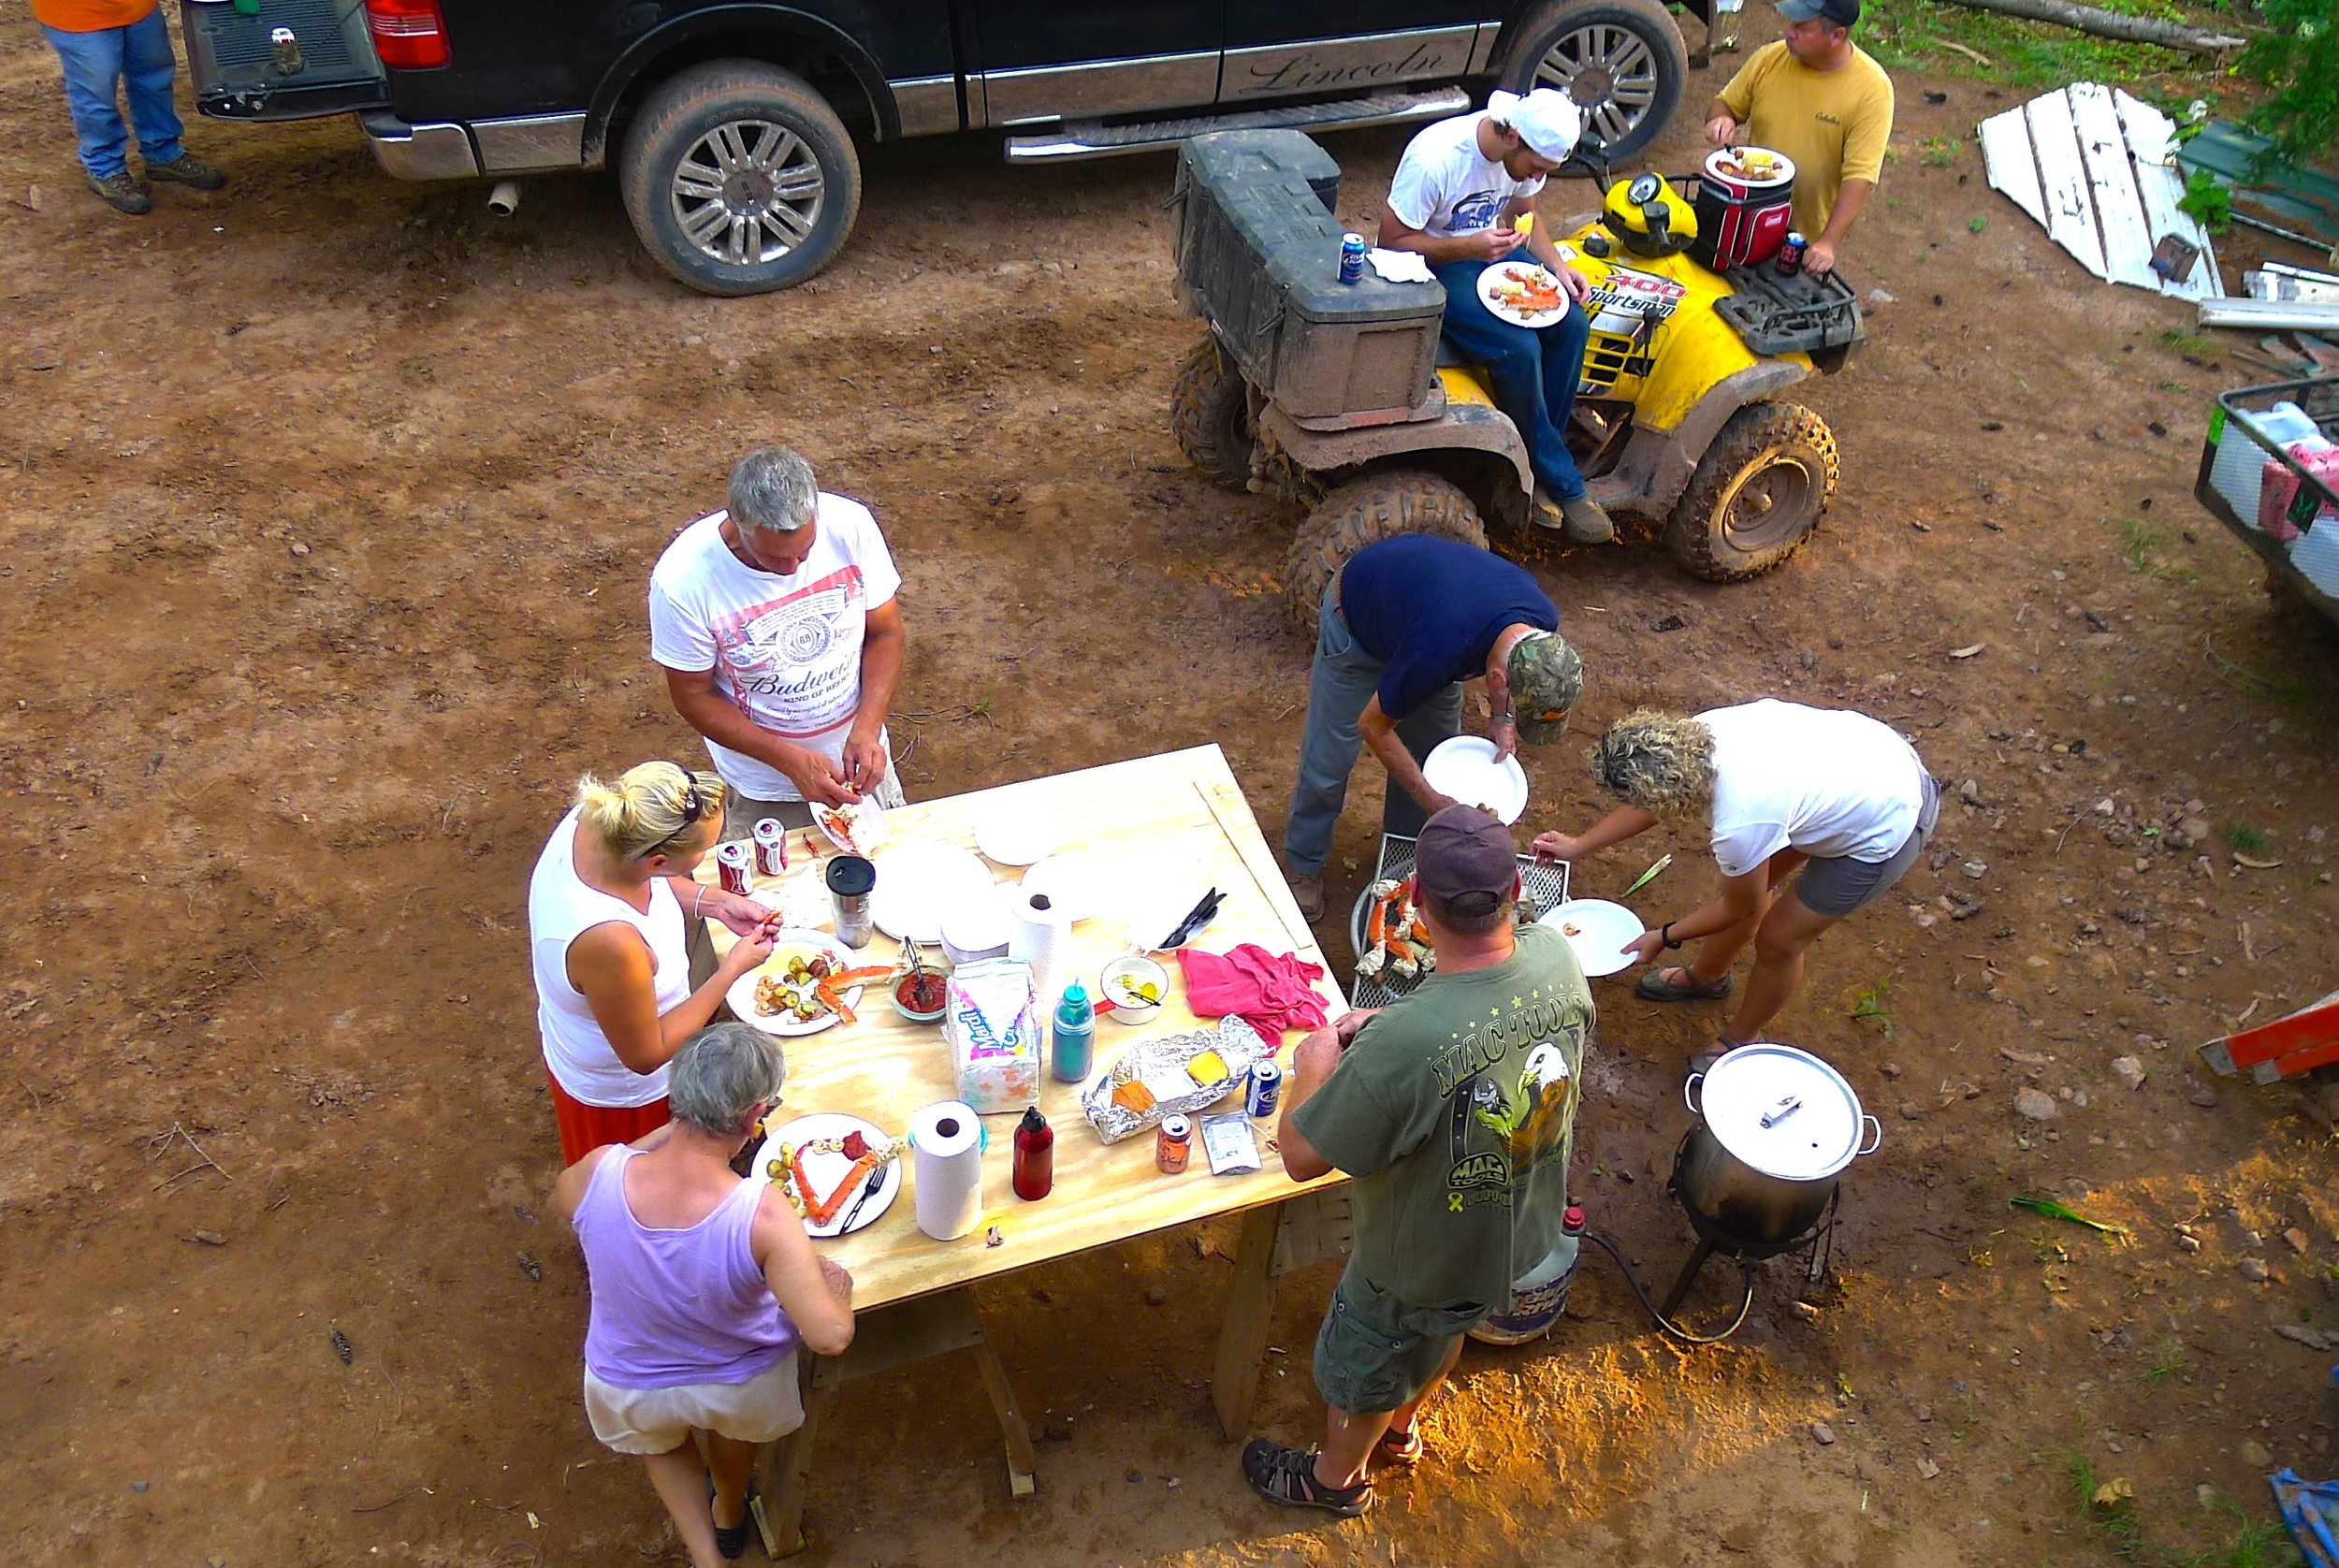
1179,816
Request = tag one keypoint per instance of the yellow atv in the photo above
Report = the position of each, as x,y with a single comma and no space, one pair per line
1344,399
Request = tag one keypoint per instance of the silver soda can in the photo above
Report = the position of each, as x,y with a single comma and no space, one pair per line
1352,259
736,866
771,846
1266,1092
1791,251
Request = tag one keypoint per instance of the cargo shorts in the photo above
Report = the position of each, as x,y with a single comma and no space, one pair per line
1376,1352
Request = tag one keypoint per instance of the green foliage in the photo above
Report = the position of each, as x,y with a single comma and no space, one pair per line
2168,1361
2115,1522
2207,201
1935,38
2241,836
1939,152
2298,56
1869,1004
1977,224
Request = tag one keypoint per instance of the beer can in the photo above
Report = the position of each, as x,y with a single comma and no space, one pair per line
736,866
1352,259
1791,251
1173,1145
285,48
1266,1090
771,846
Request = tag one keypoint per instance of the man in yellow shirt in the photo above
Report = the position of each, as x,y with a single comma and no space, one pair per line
1819,99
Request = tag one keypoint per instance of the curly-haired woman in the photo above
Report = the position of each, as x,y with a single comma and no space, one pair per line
1835,795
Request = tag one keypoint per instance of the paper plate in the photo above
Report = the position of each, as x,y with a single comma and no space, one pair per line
1464,767
1498,273
1017,832
1597,930
825,1170
919,883
790,941
867,832
1070,882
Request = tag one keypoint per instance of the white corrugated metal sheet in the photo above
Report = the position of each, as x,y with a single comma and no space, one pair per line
2094,167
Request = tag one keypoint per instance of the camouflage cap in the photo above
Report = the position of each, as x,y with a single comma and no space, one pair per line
1546,682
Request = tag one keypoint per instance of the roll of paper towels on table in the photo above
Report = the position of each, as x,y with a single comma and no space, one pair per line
1040,934
946,1160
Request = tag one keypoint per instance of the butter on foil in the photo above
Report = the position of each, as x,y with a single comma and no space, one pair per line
1155,1078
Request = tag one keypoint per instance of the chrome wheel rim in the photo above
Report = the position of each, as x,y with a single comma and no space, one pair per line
747,193
1766,506
1611,74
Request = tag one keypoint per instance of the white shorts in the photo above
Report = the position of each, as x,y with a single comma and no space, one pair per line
660,1420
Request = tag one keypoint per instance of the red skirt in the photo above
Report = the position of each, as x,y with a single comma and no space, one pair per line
586,1127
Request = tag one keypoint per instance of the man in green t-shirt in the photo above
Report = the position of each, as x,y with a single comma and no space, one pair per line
1454,1109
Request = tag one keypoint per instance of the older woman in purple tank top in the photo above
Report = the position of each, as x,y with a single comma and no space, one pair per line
703,1286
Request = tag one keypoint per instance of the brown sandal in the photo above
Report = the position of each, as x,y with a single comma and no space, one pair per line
1654,987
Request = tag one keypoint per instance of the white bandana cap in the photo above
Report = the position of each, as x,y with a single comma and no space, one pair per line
1546,120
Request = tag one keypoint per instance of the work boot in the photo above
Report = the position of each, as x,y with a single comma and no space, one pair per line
188,169
1308,893
1584,521
123,192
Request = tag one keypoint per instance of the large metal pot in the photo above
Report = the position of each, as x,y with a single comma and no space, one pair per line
1775,1127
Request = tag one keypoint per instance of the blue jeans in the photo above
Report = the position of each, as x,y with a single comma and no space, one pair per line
1340,682
1534,370
97,65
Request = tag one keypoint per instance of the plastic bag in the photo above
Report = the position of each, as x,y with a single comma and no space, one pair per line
992,1020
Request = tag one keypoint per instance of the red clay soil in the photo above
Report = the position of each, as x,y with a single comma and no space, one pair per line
329,504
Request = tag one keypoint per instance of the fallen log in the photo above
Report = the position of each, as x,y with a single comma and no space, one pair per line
2111,24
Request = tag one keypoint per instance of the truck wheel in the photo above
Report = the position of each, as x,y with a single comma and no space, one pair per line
739,177
1622,61
1365,512
1209,414
1758,491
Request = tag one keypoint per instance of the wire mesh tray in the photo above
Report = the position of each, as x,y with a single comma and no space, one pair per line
1545,888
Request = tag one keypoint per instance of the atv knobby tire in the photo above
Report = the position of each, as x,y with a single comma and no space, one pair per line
1757,493
1209,414
1365,512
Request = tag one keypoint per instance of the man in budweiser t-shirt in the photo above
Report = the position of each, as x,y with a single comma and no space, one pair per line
777,625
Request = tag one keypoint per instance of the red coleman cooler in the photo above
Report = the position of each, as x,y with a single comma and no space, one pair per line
1743,207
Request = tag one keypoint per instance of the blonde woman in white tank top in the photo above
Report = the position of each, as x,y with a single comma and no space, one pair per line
609,909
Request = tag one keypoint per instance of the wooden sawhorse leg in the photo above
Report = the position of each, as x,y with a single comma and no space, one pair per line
1277,1237
882,1340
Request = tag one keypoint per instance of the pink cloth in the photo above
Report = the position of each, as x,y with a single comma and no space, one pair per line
2277,487
1271,991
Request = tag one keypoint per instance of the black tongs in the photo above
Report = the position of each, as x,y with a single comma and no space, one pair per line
1197,917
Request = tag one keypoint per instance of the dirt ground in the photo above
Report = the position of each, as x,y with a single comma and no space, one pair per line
329,504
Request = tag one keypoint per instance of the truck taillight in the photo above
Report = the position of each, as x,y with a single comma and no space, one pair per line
408,35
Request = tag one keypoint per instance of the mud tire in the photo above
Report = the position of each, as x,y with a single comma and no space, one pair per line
1768,458
1209,414
1365,512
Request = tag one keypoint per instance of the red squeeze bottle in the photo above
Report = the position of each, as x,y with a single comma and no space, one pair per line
1035,1155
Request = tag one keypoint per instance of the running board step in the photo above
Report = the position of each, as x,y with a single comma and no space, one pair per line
1092,138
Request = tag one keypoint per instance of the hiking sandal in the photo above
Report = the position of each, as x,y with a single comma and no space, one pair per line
1654,987
1286,1476
1401,1448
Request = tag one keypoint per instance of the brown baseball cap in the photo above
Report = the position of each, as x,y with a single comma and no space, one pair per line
1465,861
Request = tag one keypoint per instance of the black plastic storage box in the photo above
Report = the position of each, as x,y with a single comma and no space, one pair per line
1259,251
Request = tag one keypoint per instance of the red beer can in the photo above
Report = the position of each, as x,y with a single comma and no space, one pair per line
771,846
736,866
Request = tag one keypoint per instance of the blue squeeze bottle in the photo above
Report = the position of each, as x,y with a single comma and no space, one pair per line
1075,1036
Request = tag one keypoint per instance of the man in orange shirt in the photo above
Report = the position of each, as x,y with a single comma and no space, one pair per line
106,46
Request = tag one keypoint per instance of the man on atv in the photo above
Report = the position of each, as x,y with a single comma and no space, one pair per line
1816,96
1458,190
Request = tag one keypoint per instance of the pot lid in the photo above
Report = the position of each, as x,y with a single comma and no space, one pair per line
1781,1110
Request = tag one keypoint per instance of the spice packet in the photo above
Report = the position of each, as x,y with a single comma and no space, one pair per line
1229,1141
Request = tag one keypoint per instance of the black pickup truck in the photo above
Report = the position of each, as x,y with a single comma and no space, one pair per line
733,124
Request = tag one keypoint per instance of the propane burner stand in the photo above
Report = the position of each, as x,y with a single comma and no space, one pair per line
1714,1237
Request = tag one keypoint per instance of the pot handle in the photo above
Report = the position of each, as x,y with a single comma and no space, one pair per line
1689,1084
1874,1143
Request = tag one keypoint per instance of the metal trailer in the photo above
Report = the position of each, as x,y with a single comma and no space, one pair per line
2233,464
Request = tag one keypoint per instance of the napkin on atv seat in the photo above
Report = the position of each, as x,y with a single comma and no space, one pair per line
1271,991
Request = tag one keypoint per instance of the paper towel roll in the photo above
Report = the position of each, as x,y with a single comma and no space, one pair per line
945,1155
1041,936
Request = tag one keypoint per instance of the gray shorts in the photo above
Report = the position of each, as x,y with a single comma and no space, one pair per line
1376,1352
1838,885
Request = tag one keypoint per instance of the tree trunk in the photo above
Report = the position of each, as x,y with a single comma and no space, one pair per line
2111,24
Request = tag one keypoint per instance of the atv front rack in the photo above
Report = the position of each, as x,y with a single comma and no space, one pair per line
1799,314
